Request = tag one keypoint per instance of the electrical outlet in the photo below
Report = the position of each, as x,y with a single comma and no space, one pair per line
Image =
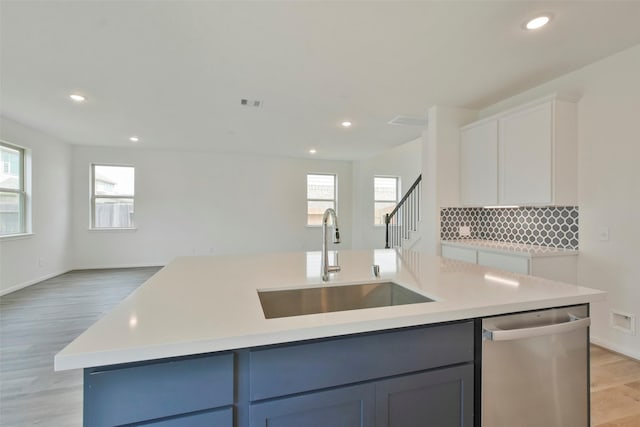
465,231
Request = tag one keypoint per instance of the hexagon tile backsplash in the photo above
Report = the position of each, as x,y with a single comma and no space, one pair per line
549,226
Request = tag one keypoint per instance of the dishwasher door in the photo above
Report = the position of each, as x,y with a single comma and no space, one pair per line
535,369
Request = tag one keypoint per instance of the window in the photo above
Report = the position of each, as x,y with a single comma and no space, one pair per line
385,196
12,190
321,195
112,194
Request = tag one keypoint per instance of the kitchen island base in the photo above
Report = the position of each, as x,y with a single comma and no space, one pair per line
390,378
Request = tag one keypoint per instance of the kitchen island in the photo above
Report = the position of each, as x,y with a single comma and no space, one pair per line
192,346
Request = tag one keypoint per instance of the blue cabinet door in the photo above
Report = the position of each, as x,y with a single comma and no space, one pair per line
440,398
216,418
341,407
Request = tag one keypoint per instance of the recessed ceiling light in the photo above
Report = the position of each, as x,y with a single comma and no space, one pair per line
134,139
312,151
76,97
346,124
537,22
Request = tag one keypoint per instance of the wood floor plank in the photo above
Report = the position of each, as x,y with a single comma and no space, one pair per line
632,421
601,356
614,403
614,374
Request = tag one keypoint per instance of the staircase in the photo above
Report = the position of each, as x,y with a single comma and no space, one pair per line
402,223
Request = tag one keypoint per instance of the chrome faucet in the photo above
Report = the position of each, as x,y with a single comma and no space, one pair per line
326,268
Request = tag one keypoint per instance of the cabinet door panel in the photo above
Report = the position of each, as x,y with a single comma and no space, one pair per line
515,264
343,407
219,418
479,164
526,156
460,254
437,398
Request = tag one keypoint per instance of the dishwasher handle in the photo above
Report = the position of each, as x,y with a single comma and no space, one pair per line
496,334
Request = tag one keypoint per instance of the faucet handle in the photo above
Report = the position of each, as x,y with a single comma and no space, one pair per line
375,269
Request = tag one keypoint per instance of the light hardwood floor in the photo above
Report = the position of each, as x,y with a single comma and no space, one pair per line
615,389
37,322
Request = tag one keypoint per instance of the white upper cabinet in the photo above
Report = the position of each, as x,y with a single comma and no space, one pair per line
526,156
529,153
479,164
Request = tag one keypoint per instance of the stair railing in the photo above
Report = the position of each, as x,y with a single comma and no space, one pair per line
404,218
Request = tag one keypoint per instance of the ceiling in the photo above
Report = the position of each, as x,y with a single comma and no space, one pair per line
174,72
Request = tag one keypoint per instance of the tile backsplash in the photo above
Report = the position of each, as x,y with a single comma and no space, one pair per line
545,226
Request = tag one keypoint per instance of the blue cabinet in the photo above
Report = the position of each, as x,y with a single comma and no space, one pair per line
397,378
443,397
440,397
342,407
159,390
295,368
215,418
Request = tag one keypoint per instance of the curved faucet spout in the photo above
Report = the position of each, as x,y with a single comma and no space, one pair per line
326,268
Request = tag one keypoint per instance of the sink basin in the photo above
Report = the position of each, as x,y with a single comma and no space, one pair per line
296,302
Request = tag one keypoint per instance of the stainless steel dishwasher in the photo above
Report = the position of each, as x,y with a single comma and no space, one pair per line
535,369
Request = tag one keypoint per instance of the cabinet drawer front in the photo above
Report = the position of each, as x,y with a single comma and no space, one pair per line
461,254
132,393
515,264
297,368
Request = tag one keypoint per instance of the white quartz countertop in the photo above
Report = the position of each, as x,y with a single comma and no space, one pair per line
511,248
205,304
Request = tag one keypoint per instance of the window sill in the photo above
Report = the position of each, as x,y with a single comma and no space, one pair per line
107,230
16,236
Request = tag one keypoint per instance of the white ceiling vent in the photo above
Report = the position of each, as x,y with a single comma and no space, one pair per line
408,121
250,103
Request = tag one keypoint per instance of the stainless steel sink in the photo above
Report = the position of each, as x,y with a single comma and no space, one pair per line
296,302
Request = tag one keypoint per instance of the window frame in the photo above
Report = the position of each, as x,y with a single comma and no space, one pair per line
93,197
21,191
398,195
335,194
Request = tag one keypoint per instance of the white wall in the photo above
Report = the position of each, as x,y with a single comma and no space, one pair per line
45,253
609,186
440,170
200,203
402,161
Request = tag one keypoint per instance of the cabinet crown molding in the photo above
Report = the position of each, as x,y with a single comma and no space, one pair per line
555,96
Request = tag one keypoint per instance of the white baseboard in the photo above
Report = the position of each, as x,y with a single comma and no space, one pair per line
31,282
614,347
110,266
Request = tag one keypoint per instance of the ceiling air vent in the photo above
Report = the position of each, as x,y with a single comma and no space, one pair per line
250,102
408,121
